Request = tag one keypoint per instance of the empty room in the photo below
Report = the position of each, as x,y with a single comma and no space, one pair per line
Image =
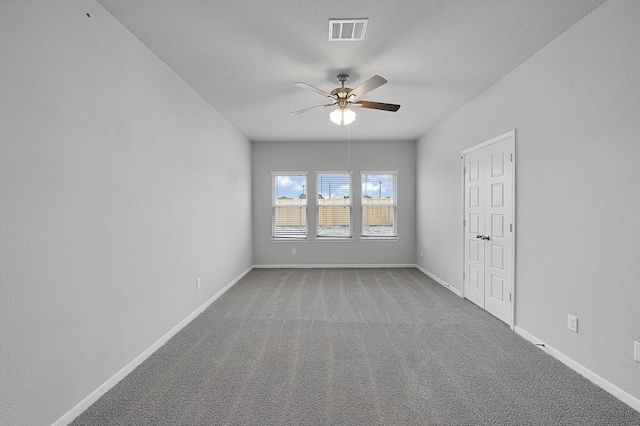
331,212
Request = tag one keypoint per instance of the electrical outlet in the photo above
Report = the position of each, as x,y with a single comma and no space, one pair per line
636,351
572,323
198,284
293,250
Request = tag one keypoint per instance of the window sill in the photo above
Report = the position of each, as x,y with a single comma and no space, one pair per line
334,240
289,240
379,239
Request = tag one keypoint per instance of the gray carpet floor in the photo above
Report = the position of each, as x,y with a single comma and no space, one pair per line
351,347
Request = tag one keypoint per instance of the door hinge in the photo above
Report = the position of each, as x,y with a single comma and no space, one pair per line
511,227
463,275
464,170
509,297
511,157
464,222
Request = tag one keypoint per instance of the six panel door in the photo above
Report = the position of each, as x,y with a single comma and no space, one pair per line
474,229
488,230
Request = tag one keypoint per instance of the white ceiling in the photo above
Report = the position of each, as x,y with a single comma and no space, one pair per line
243,56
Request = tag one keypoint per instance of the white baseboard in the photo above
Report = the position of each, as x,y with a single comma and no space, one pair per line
106,386
439,280
623,396
336,265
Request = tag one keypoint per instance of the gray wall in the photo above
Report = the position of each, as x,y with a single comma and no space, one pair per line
332,156
111,169
575,106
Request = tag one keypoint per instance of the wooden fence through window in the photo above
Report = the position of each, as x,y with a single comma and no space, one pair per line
335,212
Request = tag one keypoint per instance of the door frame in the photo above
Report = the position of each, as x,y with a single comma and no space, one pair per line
512,259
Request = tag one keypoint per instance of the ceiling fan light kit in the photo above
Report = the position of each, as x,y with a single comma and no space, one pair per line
345,96
342,116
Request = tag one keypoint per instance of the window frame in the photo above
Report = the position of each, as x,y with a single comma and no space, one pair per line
283,236
394,205
320,207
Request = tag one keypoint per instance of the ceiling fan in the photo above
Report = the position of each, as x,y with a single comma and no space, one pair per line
343,96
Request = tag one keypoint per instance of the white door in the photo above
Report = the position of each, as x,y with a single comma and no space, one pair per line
488,225
474,178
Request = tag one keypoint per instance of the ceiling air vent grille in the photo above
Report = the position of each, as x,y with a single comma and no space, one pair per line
347,29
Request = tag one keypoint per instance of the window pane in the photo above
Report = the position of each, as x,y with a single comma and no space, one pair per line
379,204
334,204
334,221
289,202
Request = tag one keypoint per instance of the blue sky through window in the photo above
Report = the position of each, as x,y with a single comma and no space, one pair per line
333,186
293,186
377,186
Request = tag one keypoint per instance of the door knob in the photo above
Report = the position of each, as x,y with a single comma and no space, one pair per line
486,237
480,236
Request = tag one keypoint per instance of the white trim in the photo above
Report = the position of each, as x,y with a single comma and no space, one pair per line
378,172
513,230
623,396
439,280
379,239
336,265
344,172
277,173
500,138
464,219
334,239
70,415
289,240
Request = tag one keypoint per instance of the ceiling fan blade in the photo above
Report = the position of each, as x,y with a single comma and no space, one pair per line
377,105
307,109
374,82
313,89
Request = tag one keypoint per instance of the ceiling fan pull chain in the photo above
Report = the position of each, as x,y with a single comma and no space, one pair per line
348,149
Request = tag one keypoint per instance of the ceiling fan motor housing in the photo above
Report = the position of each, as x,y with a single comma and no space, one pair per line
342,92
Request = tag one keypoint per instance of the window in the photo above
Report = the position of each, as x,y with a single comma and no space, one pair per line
289,204
379,202
334,204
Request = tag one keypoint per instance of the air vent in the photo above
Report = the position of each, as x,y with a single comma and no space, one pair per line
347,29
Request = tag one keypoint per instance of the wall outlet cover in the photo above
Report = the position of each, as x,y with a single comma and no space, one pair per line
572,323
